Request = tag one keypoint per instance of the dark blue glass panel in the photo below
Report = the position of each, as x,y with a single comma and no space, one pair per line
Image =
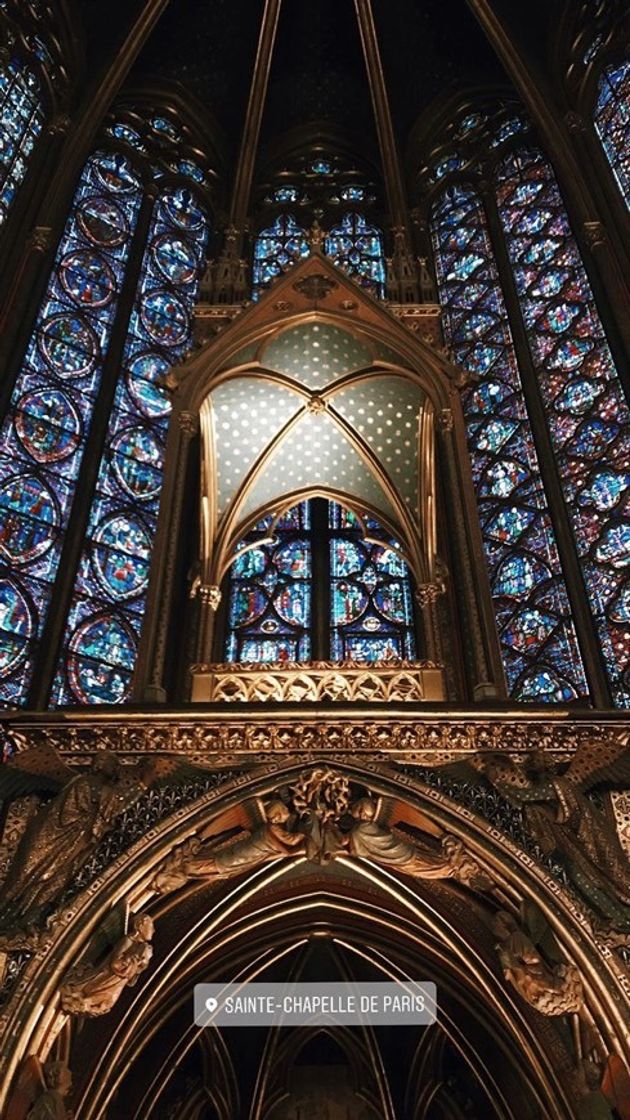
112,580
612,121
269,611
43,435
587,414
357,247
371,614
276,249
21,121
542,661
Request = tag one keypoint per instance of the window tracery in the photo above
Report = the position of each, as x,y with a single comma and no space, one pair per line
360,597
539,646
357,247
43,436
21,122
276,248
586,412
105,616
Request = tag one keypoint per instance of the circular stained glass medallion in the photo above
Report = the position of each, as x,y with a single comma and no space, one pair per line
69,345
29,519
102,221
165,318
181,207
137,462
175,259
143,381
121,556
248,603
115,173
390,600
100,660
349,602
48,425
87,279
16,627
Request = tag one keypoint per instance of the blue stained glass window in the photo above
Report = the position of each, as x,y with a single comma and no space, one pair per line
371,610
274,605
612,121
269,611
21,121
357,247
43,435
105,615
588,417
538,641
276,249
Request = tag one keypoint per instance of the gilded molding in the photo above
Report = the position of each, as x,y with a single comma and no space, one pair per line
405,681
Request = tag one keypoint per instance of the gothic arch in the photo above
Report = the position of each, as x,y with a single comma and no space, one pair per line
285,900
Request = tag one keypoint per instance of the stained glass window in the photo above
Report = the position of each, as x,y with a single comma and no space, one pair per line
275,605
276,248
538,641
43,435
106,612
612,121
371,610
21,121
270,592
587,414
357,247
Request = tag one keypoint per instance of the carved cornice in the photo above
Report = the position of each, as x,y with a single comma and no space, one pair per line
230,734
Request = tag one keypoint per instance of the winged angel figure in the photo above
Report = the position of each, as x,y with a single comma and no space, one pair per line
66,829
569,824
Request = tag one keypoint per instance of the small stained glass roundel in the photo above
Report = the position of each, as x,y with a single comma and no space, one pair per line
48,425
102,222
116,174
165,318
69,345
28,519
16,627
183,210
143,381
100,661
175,259
137,462
87,279
121,556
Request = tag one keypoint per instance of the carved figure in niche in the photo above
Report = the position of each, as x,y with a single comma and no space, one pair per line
547,982
221,860
92,990
50,1104
569,825
66,830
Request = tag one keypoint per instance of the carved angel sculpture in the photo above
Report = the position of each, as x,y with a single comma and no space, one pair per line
568,824
550,985
222,860
94,989
391,849
66,830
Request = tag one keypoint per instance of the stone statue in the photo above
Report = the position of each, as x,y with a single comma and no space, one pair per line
552,987
50,1104
569,825
65,831
221,860
94,989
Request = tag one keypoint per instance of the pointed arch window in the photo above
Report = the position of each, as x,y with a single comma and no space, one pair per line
103,625
43,436
587,415
21,122
327,586
538,641
277,247
357,247
612,122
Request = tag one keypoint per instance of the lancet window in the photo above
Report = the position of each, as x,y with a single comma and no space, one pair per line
612,122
